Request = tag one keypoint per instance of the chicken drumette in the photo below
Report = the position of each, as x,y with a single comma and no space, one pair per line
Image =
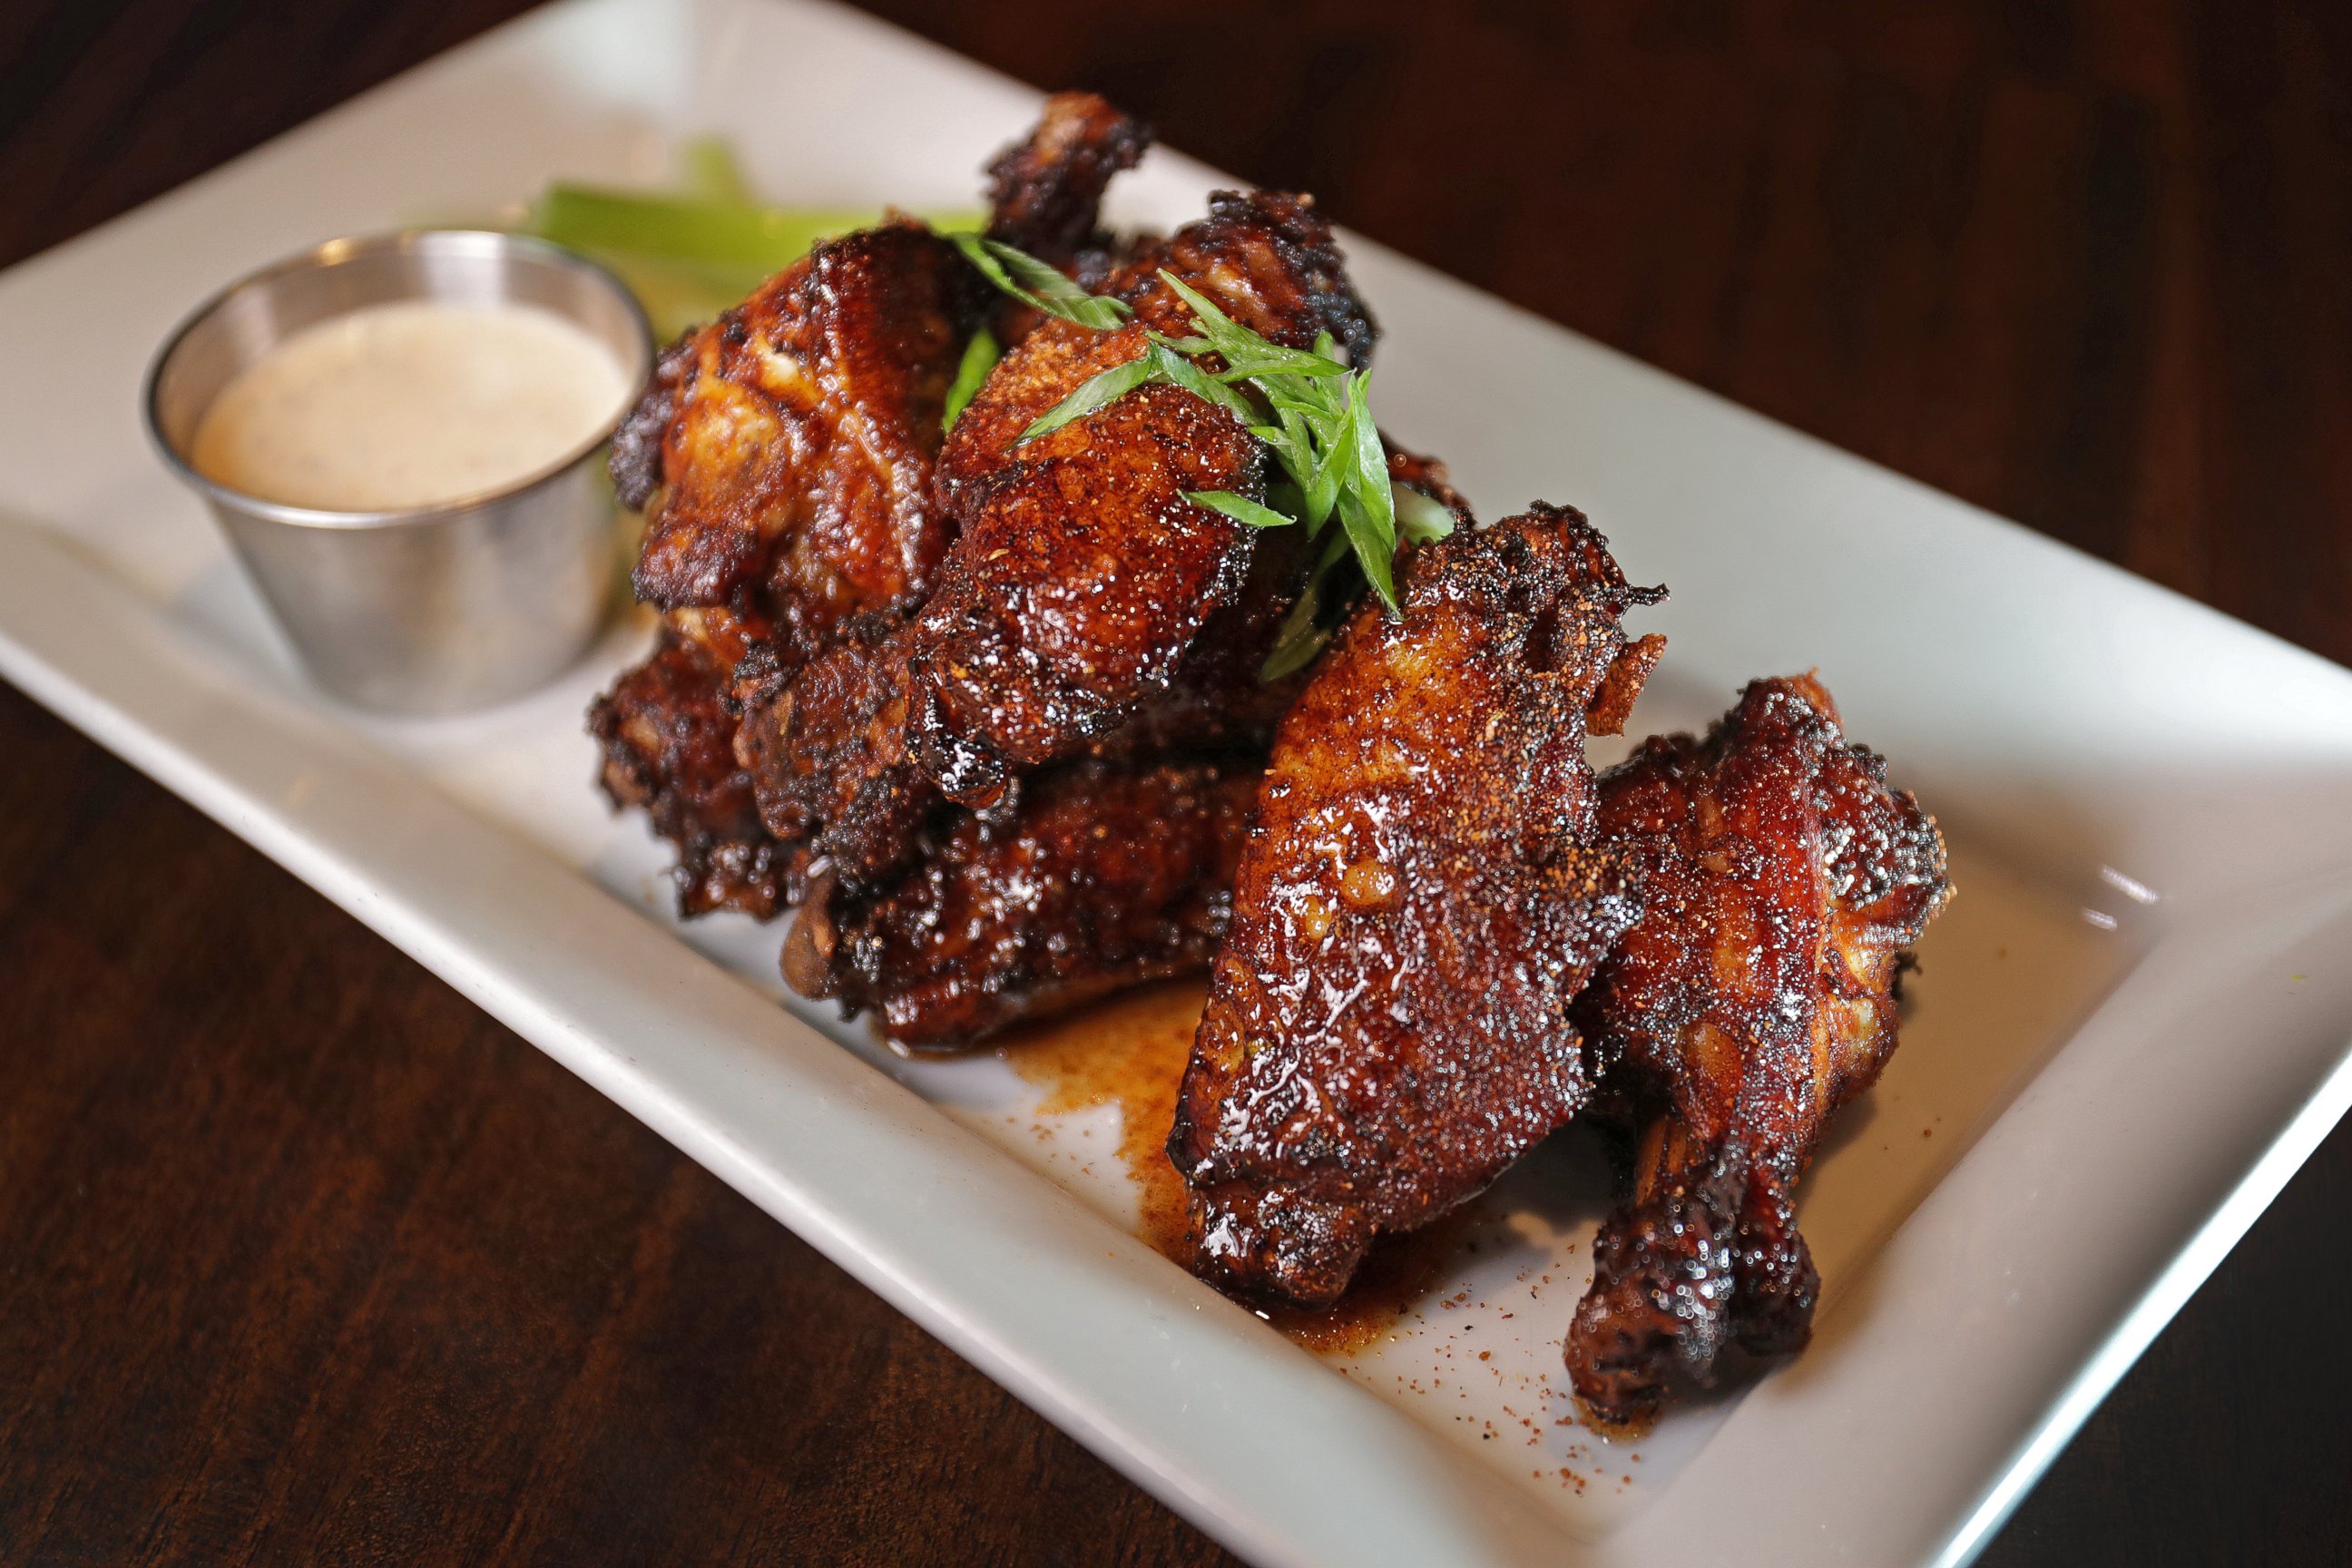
1783,884
1422,895
1095,878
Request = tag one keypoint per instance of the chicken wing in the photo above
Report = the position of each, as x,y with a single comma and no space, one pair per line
1784,884
799,460
786,452
668,744
1045,193
1082,577
1095,878
1420,896
1081,560
796,436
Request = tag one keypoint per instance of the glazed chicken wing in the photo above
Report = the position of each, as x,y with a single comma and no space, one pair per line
786,452
669,751
949,923
1045,193
1422,894
798,463
1082,578
1095,878
1087,608
795,438
1783,884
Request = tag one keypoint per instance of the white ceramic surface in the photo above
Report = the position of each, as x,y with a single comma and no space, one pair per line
2133,1025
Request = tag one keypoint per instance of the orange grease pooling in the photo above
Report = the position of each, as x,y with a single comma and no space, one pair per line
1130,1052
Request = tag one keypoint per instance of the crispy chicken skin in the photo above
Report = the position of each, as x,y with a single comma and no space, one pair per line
799,460
796,439
827,753
1422,895
668,744
635,458
1783,884
1080,562
786,452
1082,578
1045,193
1096,878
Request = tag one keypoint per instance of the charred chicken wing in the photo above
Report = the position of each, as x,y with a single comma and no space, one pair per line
1045,193
1096,876
1085,609
1422,895
669,751
794,451
1082,578
1783,884
786,452
799,460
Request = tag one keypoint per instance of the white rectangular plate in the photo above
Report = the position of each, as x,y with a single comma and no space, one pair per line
2132,1026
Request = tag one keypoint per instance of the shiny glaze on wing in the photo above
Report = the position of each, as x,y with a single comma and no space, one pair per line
1082,578
799,460
1096,878
668,745
1784,883
1422,895
786,454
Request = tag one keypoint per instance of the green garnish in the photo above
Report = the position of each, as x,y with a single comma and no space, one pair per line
1307,628
1241,509
698,229
691,252
712,171
1312,411
979,357
1024,277
1094,392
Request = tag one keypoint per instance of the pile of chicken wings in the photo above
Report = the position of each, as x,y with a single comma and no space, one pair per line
987,717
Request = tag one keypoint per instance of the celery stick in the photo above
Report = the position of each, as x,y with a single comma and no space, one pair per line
738,233
711,171
713,233
677,295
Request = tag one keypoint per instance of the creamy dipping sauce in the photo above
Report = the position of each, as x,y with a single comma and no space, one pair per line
409,405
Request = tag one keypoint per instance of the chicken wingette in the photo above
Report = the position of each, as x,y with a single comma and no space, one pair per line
1783,884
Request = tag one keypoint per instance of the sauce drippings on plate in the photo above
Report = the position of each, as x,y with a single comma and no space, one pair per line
412,404
1129,1052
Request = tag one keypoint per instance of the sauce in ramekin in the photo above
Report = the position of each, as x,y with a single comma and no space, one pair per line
414,404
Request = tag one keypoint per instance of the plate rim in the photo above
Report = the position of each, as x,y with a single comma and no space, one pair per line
94,691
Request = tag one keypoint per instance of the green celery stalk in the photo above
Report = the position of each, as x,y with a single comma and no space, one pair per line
684,229
688,228
711,171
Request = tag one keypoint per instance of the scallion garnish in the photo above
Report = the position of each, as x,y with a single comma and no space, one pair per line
1024,277
979,357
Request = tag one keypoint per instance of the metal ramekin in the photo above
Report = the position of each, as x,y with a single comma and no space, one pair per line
438,608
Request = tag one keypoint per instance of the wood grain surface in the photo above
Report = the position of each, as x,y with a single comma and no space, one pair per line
302,1259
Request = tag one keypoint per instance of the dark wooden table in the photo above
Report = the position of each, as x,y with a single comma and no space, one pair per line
303,1259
